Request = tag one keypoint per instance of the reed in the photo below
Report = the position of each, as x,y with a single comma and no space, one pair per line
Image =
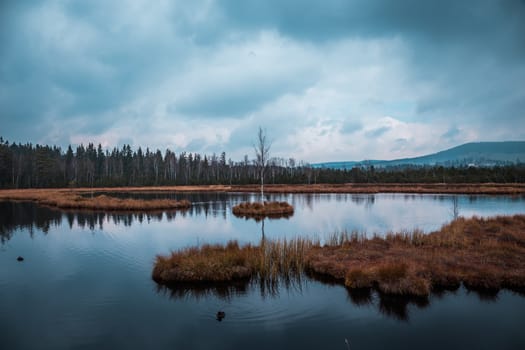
480,253
208,263
484,254
344,238
268,262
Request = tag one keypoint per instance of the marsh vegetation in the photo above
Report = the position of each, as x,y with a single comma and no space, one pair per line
259,210
93,270
480,253
65,199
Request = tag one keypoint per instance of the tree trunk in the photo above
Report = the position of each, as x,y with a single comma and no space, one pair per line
262,186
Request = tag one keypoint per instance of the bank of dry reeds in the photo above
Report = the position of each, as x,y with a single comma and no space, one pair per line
208,263
480,253
64,199
429,188
264,209
268,262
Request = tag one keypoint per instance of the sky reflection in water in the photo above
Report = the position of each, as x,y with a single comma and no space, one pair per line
86,281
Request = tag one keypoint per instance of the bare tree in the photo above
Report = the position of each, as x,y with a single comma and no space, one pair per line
262,153
455,207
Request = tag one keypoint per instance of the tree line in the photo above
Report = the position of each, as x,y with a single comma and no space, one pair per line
42,166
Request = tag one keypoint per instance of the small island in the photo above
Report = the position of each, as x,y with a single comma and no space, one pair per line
262,210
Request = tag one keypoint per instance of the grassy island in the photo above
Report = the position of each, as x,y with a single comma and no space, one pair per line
68,199
480,253
265,209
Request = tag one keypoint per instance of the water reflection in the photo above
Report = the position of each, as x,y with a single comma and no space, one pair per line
259,218
315,214
396,307
95,290
391,306
487,295
224,291
25,216
29,216
266,288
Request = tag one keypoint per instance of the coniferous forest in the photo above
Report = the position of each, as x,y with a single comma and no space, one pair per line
42,166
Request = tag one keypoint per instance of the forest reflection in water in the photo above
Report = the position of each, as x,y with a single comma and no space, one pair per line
86,280
397,307
314,213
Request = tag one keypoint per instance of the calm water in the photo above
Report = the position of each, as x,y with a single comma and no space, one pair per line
85,281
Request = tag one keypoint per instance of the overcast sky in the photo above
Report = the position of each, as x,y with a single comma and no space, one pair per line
329,80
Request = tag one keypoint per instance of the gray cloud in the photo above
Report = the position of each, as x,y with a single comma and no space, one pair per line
350,126
460,46
73,70
478,22
377,132
452,133
242,98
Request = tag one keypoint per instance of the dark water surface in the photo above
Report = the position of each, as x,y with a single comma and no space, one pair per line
85,281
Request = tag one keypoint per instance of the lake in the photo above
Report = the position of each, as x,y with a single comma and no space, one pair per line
85,282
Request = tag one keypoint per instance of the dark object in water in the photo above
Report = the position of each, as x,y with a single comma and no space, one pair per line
19,259
220,315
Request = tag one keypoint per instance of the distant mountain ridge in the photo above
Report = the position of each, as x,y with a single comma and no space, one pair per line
484,154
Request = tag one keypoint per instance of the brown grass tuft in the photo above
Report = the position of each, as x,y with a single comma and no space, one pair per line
209,263
468,251
65,199
480,253
432,188
358,278
261,210
268,262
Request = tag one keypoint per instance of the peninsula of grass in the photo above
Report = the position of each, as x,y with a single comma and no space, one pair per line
261,210
430,188
65,199
486,254
268,261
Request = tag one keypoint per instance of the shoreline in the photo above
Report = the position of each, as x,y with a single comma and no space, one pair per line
350,188
73,200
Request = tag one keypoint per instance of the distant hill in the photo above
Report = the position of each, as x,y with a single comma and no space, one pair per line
483,154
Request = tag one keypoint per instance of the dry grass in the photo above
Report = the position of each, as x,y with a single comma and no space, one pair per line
479,188
481,253
66,199
468,188
260,210
486,254
209,263
268,262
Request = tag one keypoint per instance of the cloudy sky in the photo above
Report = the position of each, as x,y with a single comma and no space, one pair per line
329,80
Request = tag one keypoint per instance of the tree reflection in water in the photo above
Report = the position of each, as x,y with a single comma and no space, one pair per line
391,306
18,216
